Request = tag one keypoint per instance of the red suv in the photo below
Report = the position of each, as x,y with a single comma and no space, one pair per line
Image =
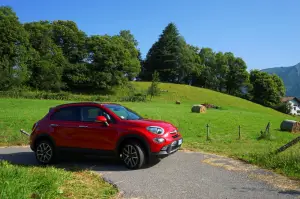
103,129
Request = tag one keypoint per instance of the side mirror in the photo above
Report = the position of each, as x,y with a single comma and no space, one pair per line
101,119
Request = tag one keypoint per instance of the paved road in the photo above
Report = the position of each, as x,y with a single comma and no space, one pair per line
182,175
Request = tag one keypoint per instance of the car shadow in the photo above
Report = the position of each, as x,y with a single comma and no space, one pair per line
72,162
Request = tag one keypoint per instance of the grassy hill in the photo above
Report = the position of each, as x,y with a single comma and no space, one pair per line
224,122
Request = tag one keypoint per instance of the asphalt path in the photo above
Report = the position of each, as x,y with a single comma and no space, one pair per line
181,175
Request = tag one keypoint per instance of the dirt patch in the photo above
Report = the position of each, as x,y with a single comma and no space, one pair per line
253,171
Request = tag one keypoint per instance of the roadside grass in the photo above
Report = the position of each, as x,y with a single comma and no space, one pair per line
253,118
47,183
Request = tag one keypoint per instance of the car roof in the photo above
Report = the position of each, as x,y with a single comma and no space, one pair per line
85,104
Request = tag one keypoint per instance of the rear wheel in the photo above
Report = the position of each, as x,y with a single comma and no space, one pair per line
133,155
44,152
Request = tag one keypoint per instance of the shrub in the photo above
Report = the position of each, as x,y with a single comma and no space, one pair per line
137,97
153,90
284,108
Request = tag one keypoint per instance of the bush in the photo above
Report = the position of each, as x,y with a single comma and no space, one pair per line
129,96
53,96
137,97
284,108
154,90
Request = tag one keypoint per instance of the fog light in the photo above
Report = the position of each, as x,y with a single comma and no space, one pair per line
159,140
164,148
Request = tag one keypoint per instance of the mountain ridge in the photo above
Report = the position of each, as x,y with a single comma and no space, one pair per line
290,76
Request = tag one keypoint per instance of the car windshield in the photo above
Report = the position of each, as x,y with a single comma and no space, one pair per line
123,112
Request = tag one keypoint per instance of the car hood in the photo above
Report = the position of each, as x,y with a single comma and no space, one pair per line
149,122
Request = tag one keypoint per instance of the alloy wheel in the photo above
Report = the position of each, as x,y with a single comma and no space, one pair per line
130,156
44,152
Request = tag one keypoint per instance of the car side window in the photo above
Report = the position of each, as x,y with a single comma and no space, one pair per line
66,114
90,113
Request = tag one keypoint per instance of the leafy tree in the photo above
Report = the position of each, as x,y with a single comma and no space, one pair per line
71,40
221,71
208,77
77,77
153,89
112,60
267,89
14,48
237,75
126,34
190,66
47,66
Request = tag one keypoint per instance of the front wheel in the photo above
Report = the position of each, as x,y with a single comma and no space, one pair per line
44,152
133,155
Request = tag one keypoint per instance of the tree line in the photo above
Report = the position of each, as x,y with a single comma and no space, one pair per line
58,56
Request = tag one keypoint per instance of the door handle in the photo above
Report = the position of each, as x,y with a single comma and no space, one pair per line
53,125
83,126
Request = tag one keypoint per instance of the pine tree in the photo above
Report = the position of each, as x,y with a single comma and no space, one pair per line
164,55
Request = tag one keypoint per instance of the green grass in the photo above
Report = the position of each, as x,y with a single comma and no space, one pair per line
253,118
43,183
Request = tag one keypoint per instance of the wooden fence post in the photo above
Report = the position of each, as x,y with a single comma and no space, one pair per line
207,132
239,132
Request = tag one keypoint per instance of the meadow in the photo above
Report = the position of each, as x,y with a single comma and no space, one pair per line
223,124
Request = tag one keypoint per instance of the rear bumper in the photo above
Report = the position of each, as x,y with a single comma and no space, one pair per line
168,149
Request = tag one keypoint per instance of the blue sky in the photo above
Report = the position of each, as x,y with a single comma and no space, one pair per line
264,33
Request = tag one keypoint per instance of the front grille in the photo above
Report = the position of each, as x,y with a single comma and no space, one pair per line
172,148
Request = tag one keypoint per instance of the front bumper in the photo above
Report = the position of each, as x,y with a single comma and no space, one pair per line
168,149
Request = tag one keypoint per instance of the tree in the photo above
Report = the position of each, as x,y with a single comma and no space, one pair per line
48,64
267,89
208,78
14,48
189,64
221,71
126,34
164,55
237,75
129,37
70,39
112,61
153,90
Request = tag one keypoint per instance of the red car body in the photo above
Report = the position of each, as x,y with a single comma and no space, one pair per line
96,128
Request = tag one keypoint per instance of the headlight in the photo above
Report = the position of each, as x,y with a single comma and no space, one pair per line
156,130
159,140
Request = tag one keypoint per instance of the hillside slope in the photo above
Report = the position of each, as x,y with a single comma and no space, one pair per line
290,76
223,123
195,95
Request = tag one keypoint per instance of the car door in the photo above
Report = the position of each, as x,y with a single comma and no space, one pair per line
63,125
94,135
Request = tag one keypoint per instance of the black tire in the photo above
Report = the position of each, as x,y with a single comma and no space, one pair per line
45,152
132,155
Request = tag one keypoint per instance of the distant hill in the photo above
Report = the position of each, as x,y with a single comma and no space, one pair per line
290,76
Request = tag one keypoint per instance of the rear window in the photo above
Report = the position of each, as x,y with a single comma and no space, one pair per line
66,114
